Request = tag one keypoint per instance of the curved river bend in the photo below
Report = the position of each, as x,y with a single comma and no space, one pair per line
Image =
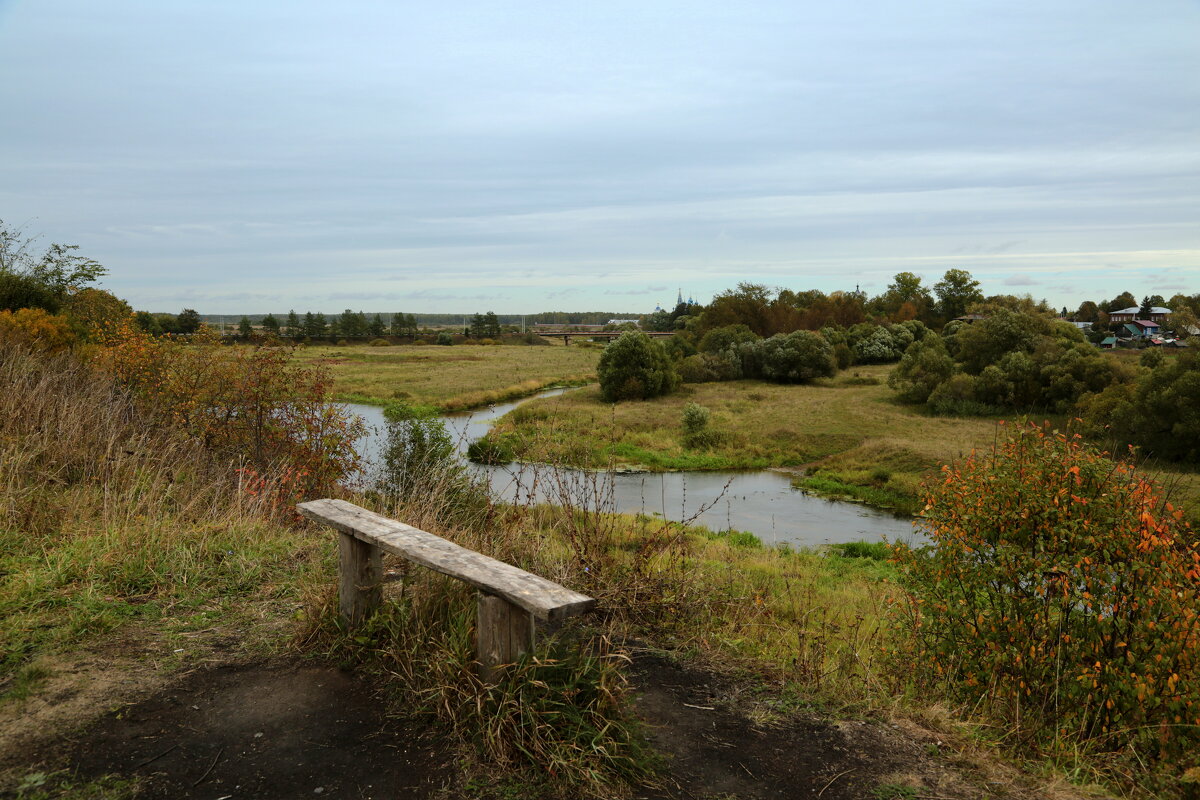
762,502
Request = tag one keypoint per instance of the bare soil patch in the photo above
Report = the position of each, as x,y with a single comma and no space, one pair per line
264,732
715,752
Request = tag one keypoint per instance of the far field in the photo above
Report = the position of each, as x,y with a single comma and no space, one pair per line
450,378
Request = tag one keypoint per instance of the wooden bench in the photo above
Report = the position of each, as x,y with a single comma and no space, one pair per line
509,598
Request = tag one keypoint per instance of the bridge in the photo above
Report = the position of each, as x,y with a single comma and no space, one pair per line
568,332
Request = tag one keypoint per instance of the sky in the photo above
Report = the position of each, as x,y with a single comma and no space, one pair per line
244,157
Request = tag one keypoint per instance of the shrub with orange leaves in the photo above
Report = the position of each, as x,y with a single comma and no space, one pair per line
1060,596
36,328
254,403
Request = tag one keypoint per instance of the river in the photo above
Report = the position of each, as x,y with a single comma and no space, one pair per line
762,502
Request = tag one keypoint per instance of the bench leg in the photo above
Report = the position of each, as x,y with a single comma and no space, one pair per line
503,633
360,579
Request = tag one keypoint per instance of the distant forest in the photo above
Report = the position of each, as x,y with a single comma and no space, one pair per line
456,320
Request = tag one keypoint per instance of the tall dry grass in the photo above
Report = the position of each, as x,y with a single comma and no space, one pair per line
109,513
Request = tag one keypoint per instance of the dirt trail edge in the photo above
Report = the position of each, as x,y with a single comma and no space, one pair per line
279,730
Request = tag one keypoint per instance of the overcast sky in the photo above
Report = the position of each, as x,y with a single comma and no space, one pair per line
239,157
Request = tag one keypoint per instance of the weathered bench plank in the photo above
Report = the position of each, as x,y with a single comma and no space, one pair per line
544,599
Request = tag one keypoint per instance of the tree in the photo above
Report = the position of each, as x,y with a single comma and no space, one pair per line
397,326
351,324
245,329
956,291
375,327
1088,312
148,323
30,280
747,305
477,326
635,367
1121,302
292,326
905,289
270,324
188,321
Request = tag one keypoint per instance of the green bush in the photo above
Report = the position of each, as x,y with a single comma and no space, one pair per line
380,343
1158,412
635,367
797,357
496,450
924,365
1061,597
420,466
444,338
719,339
709,367
696,433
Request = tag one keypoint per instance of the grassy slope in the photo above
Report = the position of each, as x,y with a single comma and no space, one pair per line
450,378
850,425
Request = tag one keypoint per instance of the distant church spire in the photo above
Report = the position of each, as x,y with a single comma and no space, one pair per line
679,302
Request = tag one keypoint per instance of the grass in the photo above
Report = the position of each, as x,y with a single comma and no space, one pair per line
454,378
848,433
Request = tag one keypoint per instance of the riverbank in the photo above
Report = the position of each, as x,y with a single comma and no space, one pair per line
449,379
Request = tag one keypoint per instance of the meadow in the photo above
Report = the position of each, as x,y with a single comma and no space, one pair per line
847,434
454,378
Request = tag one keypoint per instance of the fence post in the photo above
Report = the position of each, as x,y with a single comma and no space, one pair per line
503,633
360,578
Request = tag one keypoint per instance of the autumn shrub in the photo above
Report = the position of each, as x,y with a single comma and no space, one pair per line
35,328
252,403
1060,597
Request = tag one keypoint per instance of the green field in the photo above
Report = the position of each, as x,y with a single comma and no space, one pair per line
450,378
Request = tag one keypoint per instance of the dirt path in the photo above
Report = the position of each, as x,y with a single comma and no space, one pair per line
270,730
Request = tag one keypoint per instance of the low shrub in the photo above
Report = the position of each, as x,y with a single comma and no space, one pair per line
696,433
496,450
380,343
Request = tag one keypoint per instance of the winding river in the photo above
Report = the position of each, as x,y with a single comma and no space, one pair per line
762,502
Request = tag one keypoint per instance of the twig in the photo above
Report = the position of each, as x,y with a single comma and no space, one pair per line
702,708
210,768
152,759
834,778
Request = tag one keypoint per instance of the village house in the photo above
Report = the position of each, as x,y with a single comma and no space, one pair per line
1157,314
